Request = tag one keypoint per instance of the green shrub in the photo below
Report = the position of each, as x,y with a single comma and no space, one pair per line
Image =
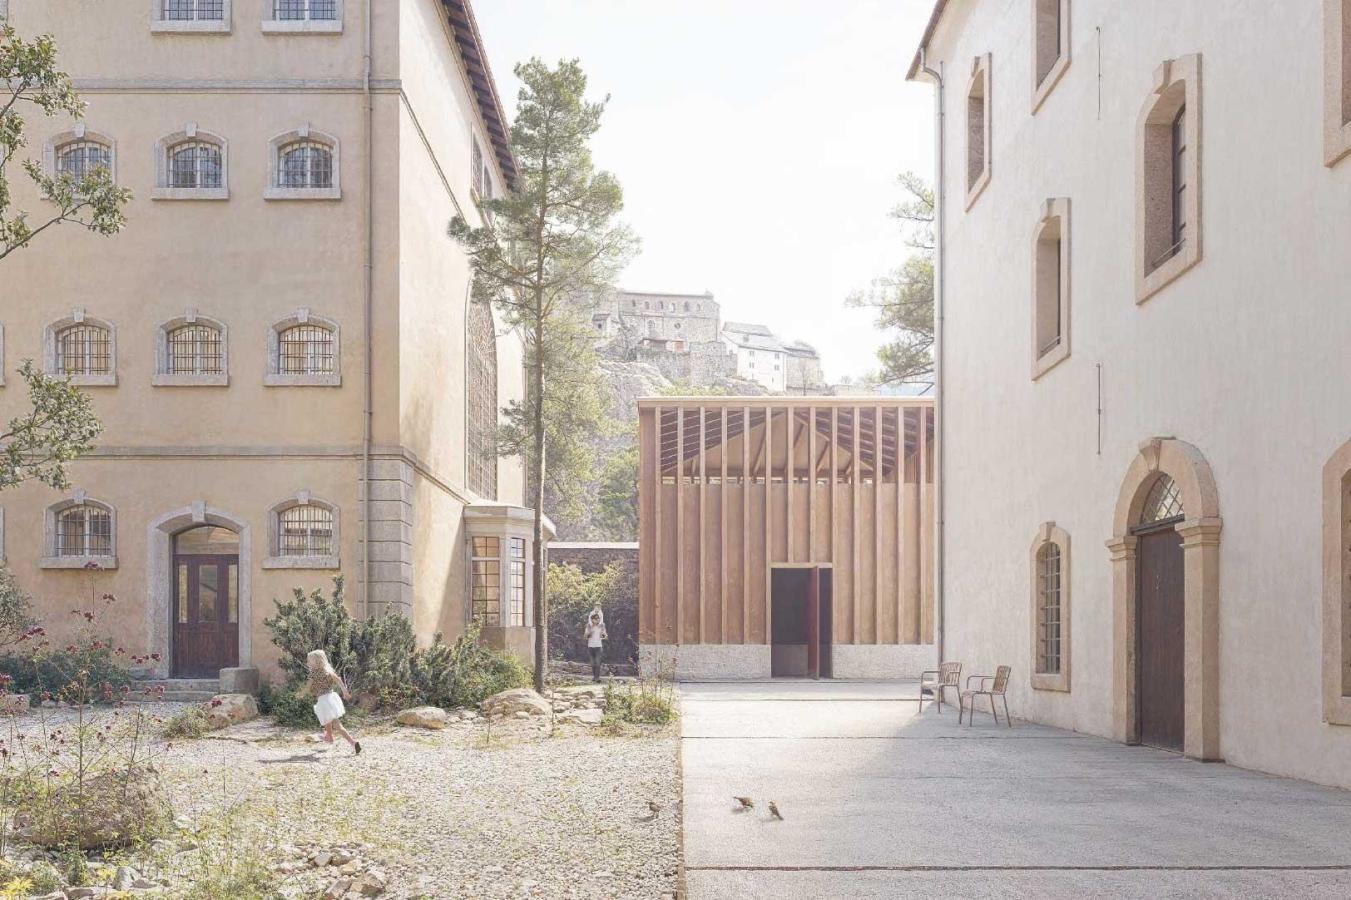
73,867
649,704
190,723
464,673
44,878
16,607
292,710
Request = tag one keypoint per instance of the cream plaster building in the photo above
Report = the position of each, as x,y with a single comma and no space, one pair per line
280,344
1145,385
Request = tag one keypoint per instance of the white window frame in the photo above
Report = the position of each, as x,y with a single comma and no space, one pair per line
274,377
503,522
274,190
1050,533
273,25
78,317
78,498
166,145
164,378
275,560
161,25
80,132
1041,88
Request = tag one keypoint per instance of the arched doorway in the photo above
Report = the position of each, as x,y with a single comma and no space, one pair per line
1166,601
205,607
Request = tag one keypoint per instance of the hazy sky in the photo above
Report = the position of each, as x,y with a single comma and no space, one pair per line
757,142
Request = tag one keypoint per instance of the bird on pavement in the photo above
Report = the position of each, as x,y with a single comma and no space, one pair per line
774,811
745,803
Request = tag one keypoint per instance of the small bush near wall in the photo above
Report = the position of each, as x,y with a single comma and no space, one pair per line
572,595
465,673
88,669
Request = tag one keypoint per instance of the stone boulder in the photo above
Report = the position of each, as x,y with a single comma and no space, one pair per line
223,710
433,717
516,700
115,809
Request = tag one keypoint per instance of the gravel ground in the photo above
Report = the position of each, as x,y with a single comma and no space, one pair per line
470,811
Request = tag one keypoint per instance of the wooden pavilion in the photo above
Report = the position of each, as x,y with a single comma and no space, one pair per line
786,536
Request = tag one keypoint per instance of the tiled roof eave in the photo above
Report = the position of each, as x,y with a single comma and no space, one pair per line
470,43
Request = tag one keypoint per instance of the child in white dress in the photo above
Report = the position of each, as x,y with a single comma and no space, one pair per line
326,687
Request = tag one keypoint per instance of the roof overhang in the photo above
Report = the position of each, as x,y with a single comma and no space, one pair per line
465,28
939,7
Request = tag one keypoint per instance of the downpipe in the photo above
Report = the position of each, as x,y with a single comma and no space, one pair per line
940,199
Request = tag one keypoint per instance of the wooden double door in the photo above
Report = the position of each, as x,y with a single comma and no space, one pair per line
206,602
1160,639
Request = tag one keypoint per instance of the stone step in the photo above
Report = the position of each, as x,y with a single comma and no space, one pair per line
177,690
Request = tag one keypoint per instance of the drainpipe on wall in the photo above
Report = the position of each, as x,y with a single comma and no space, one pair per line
940,617
367,413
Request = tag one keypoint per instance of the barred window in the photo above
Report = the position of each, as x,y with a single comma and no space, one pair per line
307,349
82,158
305,530
301,10
193,10
1048,610
306,164
481,440
84,530
195,349
195,164
84,349
476,166
485,591
516,582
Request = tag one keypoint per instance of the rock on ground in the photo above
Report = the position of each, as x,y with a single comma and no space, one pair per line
516,700
424,717
230,709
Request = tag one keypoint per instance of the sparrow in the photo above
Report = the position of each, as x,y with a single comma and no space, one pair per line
654,807
774,811
746,803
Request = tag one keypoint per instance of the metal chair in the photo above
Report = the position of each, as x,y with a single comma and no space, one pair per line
1000,684
947,675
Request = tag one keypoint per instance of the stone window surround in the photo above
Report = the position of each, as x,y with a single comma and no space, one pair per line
164,378
1176,82
1200,531
275,560
1336,585
166,145
980,76
1055,210
77,316
1337,83
272,25
274,190
1041,89
160,25
50,560
80,132
505,522
1050,533
274,376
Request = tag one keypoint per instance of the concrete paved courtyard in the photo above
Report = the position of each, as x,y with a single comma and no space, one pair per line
881,802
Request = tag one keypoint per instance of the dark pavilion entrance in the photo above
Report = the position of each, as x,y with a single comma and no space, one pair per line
205,607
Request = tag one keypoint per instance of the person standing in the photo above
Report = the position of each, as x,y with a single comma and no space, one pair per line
325,685
595,641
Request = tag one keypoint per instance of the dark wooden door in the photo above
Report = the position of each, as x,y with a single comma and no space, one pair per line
1160,618
206,615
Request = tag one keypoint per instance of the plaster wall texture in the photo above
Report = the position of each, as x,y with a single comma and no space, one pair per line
248,263
884,661
1243,356
695,662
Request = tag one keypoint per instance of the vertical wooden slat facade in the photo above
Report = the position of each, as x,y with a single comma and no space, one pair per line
731,488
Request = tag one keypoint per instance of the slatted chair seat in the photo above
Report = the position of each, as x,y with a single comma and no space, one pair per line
990,686
936,681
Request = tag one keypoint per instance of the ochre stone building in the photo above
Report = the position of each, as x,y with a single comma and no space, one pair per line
280,344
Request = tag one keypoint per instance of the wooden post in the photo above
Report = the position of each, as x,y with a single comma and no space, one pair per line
877,524
703,498
680,526
769,517
854,583
722,534
811,484
898,472
789,472
921,476
656,529
745,524
814,622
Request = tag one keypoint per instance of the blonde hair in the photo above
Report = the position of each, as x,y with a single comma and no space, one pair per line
316,660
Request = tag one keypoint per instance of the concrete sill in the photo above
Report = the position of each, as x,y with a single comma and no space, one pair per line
302,380
167,380
302,26
203,26
301,562
190,194
279,193
77,562
108,380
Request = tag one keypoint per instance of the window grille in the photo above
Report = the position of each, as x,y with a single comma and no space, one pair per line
82,158
84,349
305,530
1048,610
195,164
306,350
486,581
476,166
482,430
1179,133
193,10
84,530
306,164
301,10
516,583
1164,502
195,350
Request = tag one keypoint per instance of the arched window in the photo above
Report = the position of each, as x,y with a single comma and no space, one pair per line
1163,503
304,166
304,350
195,350
303,534
195,164
1051,286
81,532
84,349
191,165
481,443
1050,609
81,158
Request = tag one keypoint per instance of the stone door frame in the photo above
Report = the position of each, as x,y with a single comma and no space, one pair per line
1200,531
